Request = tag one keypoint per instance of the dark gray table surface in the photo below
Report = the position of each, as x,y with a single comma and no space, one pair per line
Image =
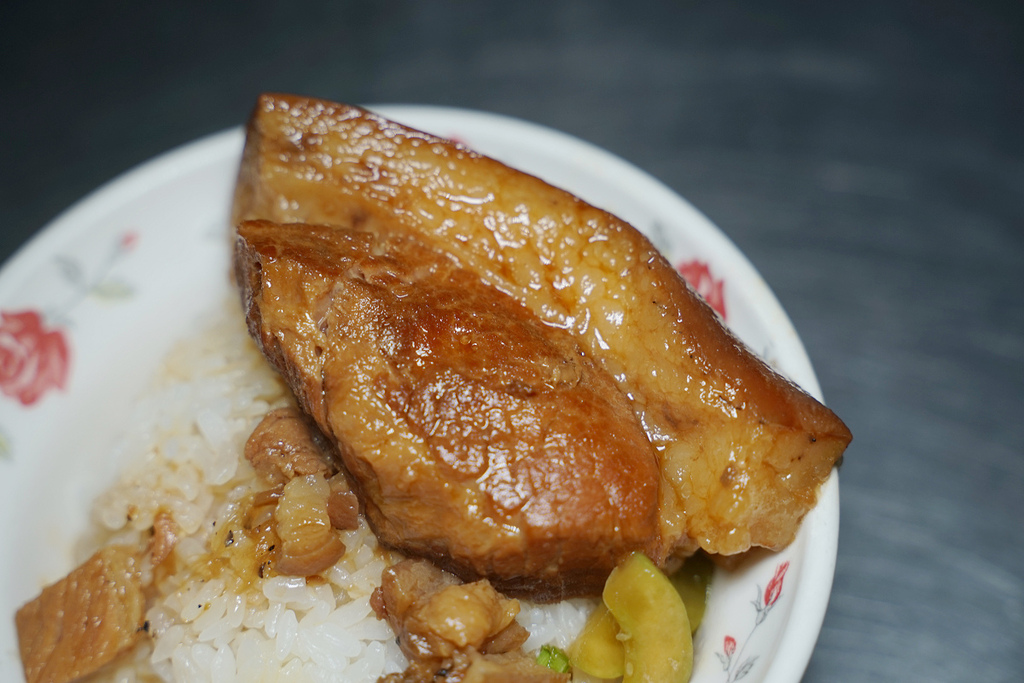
868,157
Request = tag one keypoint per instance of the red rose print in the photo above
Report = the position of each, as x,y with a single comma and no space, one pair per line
737,667
33,360
698,275
128,240
774,588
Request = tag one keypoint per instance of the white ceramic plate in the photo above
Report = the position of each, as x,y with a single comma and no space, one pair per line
90,306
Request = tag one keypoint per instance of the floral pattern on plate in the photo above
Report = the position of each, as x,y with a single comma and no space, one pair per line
698,274
733,663
35,343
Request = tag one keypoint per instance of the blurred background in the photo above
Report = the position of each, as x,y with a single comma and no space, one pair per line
868,157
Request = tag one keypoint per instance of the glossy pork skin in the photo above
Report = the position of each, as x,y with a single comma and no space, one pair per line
743,451
477,436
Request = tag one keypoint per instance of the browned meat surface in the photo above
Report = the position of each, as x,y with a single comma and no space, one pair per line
743,451
282,446
477,435
452,631
84,620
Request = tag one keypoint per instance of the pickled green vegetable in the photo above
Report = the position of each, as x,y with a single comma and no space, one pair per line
653,625
692,581
597,649
553,658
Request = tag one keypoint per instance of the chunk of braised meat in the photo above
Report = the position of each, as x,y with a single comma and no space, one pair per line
342,503
513,667
451,631
165,537
310,498
434,614
309,544
474,667
85,620
284,445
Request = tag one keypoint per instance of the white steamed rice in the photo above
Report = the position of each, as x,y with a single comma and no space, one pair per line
183,455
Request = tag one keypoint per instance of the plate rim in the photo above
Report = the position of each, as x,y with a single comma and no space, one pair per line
793,652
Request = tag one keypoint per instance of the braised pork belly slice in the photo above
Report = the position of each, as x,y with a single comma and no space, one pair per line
475,434
743,450
83,621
